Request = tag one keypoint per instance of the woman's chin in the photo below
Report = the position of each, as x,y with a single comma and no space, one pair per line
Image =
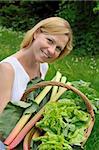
42,60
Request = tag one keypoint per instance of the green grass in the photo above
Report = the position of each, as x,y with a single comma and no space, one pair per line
9,42
93,141
77,68
73,67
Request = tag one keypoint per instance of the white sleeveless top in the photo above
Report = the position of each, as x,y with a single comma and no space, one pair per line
21,78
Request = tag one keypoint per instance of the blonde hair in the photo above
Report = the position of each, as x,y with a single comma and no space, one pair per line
52,25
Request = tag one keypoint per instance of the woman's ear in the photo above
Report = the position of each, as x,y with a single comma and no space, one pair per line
36,33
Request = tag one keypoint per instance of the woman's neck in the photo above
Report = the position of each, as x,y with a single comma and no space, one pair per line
28,62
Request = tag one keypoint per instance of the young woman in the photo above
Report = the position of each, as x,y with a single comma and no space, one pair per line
47,41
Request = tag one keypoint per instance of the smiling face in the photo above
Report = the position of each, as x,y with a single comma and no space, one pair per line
46,47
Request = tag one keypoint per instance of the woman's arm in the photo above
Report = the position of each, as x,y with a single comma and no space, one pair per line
6,83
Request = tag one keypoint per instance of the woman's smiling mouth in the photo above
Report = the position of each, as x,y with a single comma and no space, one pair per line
46,55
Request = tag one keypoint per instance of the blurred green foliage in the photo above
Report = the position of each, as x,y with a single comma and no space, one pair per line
85,25
24,14
21,15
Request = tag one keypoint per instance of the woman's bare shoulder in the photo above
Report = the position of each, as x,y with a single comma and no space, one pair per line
6,83
6,68
6,75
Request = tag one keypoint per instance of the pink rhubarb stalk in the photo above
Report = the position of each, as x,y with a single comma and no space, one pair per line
27,139
26,129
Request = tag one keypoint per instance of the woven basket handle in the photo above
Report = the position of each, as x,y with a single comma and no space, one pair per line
69,87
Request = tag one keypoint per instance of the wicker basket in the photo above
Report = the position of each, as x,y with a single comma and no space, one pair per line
75,90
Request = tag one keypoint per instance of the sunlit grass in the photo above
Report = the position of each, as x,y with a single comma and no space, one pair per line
9,42
77,68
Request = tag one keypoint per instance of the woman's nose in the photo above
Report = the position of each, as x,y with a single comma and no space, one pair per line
51,50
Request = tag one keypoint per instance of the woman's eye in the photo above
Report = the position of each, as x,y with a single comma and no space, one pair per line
58,49
50,41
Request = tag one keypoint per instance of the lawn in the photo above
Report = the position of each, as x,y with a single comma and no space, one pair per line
77,68
73,67
9,42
